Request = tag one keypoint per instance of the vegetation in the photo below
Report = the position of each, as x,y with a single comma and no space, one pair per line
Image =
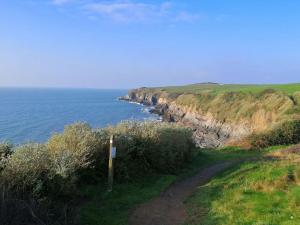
256,104
74,149
259,192
289,89
53,182
258,109
114,208
40,183
286,133
261,109
151,147
5,152
45,183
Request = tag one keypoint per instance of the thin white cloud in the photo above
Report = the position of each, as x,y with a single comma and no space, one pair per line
126,11
129,11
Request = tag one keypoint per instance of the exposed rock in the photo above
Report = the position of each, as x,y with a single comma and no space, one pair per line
208,132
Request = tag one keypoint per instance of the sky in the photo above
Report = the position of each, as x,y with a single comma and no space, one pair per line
131,43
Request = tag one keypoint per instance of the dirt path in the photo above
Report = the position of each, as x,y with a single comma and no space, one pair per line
168,208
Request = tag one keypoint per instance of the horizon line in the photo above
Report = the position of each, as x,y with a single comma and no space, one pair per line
123,88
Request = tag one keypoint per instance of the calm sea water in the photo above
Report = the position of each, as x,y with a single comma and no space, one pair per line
34,114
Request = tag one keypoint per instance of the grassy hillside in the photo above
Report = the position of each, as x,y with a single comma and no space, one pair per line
231,101
257,192
259,108
289,89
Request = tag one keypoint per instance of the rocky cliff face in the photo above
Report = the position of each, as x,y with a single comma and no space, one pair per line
208,132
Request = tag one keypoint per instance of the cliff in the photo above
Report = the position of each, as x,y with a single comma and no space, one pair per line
220,118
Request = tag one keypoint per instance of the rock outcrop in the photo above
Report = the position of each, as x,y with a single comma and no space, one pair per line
208,132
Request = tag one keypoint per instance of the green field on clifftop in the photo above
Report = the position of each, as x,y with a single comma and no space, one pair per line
222,88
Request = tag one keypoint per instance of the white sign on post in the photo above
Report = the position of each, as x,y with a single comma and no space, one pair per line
113,152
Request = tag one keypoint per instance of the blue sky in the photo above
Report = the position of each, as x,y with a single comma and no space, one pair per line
130,43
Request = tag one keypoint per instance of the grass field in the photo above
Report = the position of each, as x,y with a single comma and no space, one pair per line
113,208
217,88
258,192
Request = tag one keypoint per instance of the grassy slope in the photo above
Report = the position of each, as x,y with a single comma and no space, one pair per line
215,88
261,106
261,192
114,208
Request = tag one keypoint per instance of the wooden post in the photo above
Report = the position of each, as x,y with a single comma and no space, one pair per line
111,164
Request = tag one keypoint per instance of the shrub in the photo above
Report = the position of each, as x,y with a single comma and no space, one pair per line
173,150
42,179
150,147
5,153
73,150
296,97
27,169
285,134
5,150
80,153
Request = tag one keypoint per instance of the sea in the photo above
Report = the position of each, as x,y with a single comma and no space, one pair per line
33,115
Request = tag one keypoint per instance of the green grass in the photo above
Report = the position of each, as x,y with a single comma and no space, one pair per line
113,208
215,88
258,192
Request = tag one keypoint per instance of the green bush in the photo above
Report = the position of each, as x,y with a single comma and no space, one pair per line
73,150
5,153
285,134
80,153
150,147
173,150
27,170
44,177
27,187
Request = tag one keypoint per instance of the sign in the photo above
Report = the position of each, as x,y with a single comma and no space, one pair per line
113,152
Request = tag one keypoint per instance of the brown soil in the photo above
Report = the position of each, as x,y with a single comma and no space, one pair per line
169,208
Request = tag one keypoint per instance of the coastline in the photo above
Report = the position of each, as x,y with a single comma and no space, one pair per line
33,115
148,108
222,116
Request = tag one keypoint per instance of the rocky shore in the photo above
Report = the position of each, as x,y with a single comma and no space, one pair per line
208,131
